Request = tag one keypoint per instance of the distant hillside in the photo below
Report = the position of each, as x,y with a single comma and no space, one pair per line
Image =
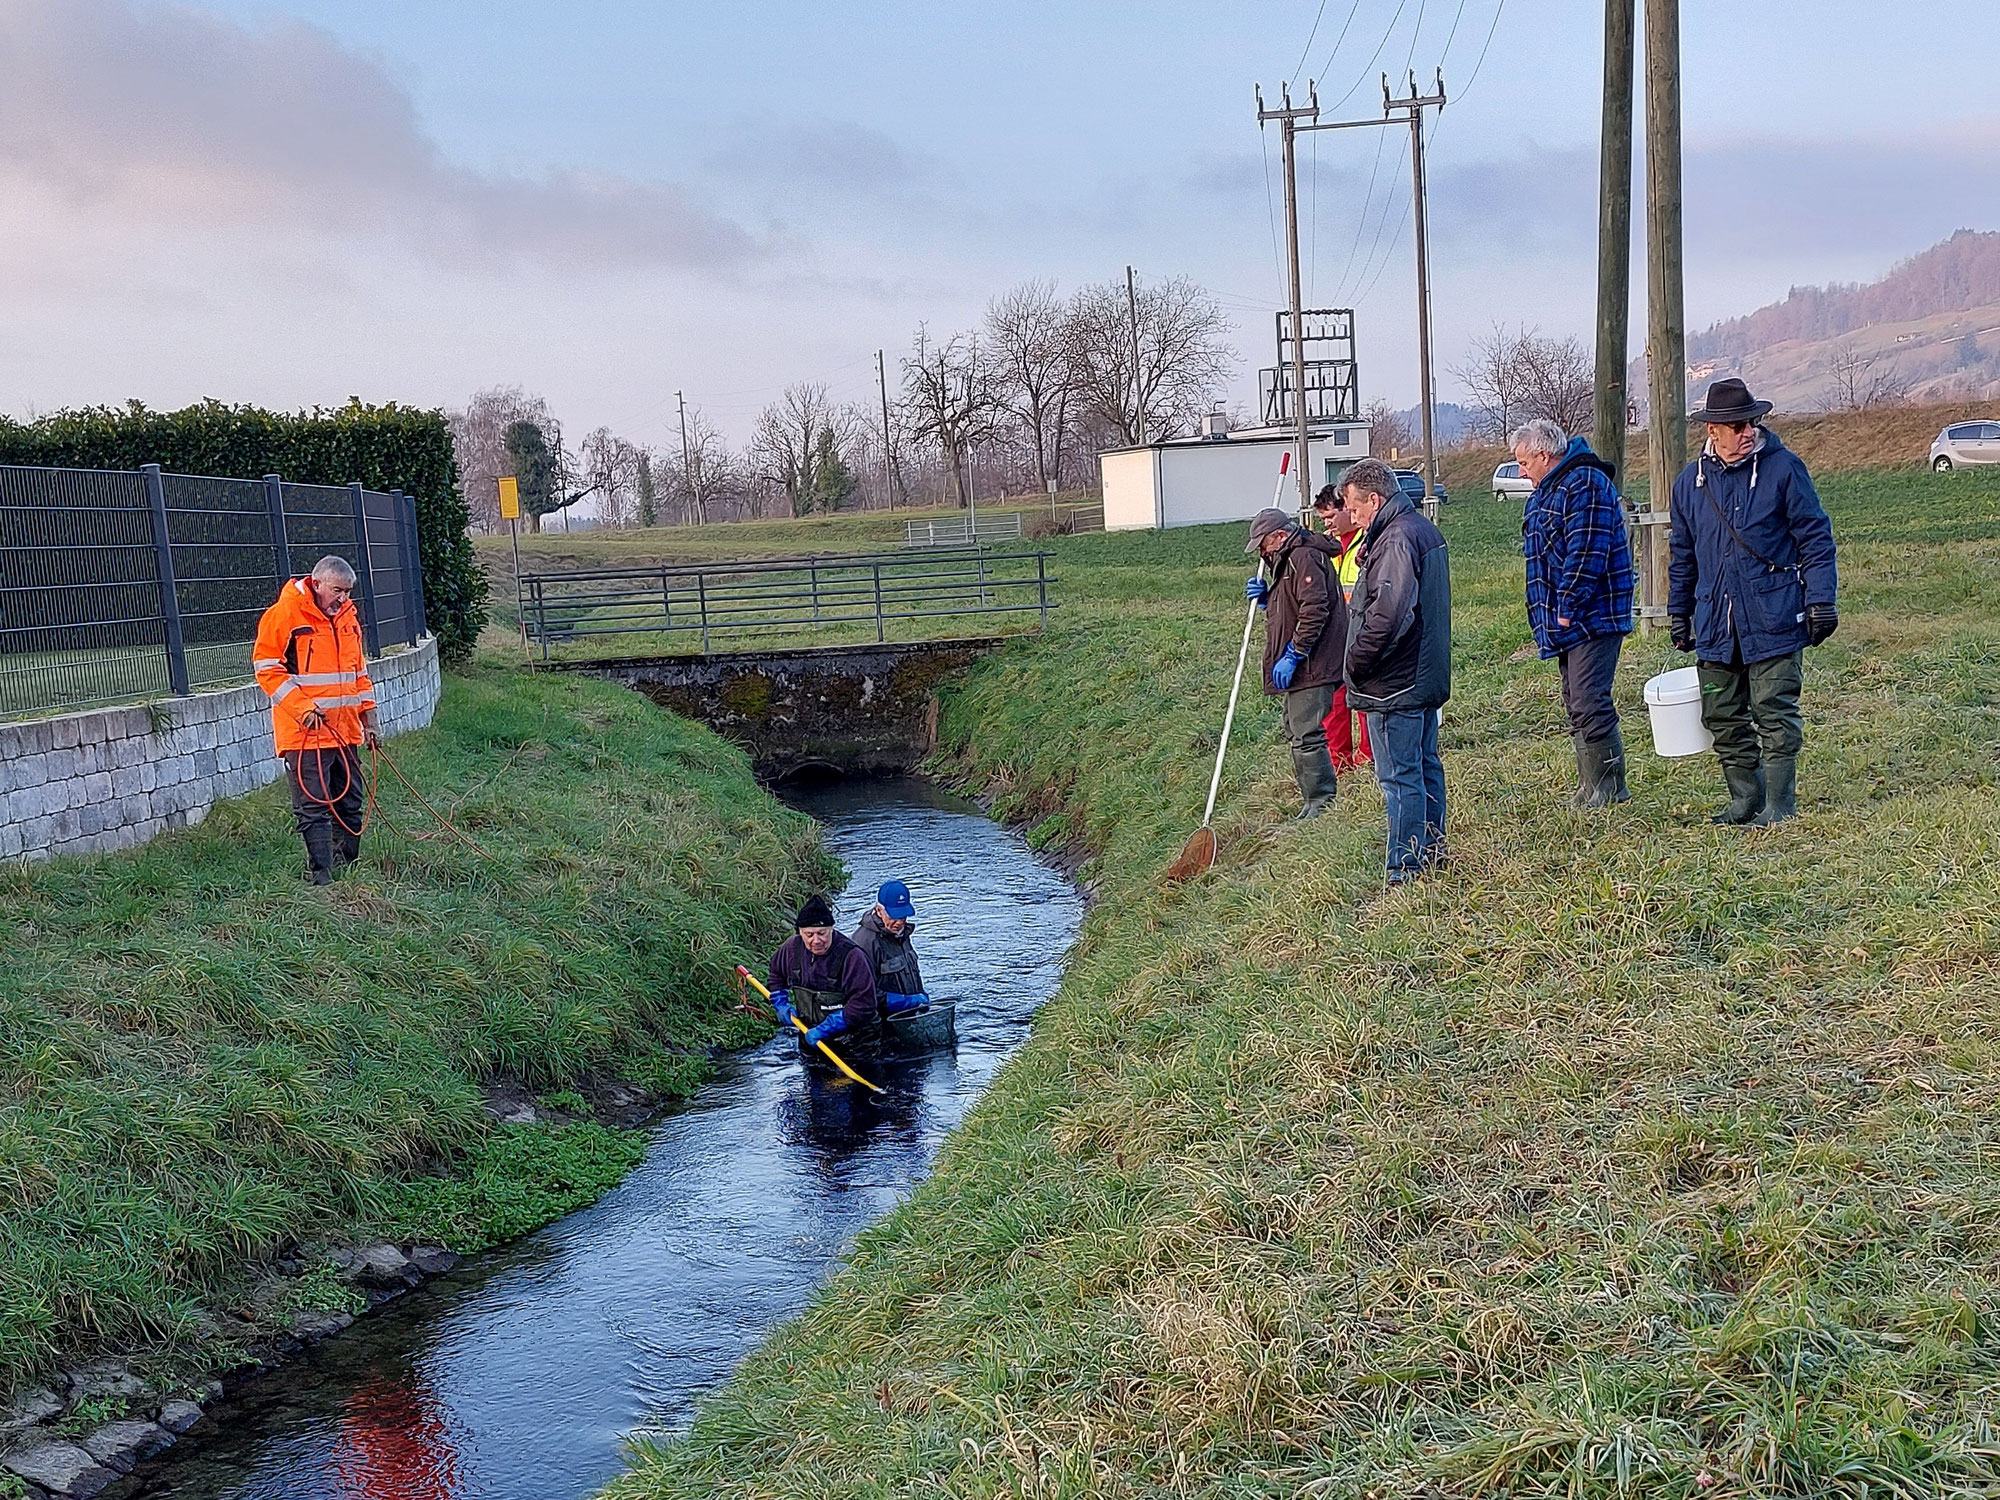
1960,275
1927,331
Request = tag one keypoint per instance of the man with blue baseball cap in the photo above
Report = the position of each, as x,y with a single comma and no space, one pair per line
885,936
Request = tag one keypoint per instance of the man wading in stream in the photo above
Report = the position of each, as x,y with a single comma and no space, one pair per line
886,936
1305,625
822,977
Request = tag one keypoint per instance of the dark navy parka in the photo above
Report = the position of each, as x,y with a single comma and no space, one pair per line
1739,599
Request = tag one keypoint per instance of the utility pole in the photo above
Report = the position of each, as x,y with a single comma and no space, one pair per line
1288,116
1666,317
1394,111
695,510
1138,383
1414,108
1614,235
888,442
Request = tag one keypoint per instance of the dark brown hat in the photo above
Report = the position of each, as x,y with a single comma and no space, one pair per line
1729,400
1263,524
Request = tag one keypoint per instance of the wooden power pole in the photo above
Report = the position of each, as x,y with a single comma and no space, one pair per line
1614,236
1666,315
1288,116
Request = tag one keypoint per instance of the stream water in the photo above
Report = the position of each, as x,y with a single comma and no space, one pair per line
518,1376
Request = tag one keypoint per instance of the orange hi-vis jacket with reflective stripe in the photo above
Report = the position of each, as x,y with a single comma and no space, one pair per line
307,661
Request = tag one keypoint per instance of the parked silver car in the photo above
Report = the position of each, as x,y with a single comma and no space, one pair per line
1965,443
1510,484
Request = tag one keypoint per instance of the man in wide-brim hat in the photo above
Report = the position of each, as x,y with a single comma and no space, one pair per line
1751,585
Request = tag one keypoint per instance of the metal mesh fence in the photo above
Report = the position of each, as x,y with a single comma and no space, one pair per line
123,586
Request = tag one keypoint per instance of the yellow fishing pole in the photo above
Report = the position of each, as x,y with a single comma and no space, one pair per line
744,973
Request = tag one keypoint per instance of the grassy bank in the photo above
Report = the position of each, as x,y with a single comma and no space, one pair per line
1629,1156
204,1061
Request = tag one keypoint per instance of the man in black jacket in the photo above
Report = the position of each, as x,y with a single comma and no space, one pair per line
1398,663
1305,624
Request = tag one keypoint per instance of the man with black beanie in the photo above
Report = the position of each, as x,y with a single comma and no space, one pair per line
821,977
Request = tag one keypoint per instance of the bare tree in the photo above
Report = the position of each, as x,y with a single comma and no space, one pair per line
479,442
1558,381
1182,356
1510,377
1389,432
781,449
610,466
1028,331
710,476
950,403
1855,383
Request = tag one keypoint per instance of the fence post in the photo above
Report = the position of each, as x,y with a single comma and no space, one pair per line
701,583
541,614
878,602
405,563
281,551
1042,585
667,602
170,604
815,588
419,620
364,573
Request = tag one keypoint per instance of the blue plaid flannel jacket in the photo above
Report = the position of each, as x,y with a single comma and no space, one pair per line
1579,560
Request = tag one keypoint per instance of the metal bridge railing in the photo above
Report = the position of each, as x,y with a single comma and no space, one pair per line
830,600
118,586
961,531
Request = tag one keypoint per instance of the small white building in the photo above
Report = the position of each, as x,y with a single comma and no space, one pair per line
1220,476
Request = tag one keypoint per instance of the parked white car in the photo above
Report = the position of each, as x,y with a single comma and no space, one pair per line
1510,484
1966,443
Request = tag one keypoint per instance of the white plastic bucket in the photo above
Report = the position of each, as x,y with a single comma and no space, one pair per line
1673,700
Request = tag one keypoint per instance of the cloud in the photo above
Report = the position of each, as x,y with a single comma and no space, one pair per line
838,155
116,109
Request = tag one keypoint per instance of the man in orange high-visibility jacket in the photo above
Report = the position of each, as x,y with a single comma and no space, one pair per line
309,659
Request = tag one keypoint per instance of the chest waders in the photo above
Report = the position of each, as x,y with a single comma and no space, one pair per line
814,1006
896,974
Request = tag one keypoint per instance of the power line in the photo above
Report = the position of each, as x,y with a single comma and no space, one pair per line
1482,51
1271,212
1306,51
1369,67
1345,26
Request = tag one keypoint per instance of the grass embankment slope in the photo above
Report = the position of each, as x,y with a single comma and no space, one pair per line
1887,437
203,1059
1630,1155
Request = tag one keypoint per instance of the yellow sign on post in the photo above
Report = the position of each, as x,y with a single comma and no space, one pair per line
510,498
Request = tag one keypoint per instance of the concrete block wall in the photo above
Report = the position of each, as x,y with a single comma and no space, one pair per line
114,777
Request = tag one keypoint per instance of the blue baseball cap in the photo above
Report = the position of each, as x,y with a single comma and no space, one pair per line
895,899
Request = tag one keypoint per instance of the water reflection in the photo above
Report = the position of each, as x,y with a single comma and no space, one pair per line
517,1378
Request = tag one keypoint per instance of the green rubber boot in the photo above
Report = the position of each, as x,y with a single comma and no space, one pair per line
1746,794
1781,782
1603,763
1317,781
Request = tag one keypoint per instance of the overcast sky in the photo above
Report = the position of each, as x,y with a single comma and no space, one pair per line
288,203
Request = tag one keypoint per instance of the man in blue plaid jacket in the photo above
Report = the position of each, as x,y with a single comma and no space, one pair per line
1580,581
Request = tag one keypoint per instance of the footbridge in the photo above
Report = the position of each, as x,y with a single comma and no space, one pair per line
810,663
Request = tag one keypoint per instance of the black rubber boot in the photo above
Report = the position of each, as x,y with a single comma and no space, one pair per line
1746,794
1604,772
1318,782
1581,794
319,855
346,849
1781,784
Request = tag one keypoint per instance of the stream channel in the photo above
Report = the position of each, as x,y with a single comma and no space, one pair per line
519,1375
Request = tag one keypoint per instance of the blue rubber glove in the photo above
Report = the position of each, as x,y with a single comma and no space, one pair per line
781,1002
1257,589
1285,668
895,1005
833,1025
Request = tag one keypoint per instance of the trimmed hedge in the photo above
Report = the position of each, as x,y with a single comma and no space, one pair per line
387,447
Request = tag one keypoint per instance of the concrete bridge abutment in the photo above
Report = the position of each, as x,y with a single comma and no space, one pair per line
868,710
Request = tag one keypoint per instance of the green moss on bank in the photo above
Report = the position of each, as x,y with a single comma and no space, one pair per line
203,1059
1630,1156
